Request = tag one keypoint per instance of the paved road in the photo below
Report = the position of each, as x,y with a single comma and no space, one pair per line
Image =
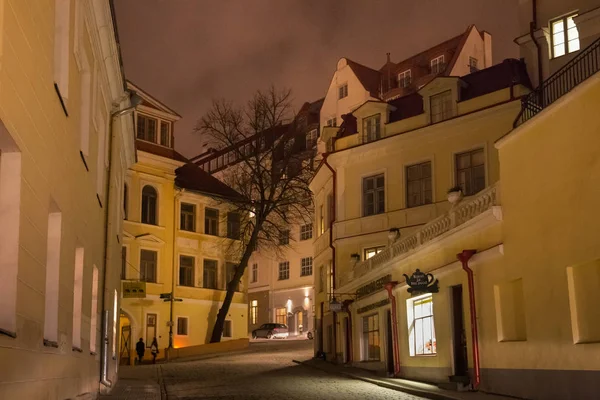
266,372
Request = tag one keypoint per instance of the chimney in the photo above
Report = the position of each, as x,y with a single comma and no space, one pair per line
487,49
389,73
388,57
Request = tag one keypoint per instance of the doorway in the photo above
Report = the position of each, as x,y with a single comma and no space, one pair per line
320,333
125,348
459,337
348,349
389,344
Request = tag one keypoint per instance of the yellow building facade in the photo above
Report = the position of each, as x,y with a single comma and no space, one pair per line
66,141
176,240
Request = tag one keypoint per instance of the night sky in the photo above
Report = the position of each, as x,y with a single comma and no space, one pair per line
187,52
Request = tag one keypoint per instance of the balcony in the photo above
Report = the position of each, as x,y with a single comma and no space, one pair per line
465,211
584,65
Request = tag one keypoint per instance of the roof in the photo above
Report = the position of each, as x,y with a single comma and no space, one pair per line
499,76
316,105
161,151
153,102
192,177
368,77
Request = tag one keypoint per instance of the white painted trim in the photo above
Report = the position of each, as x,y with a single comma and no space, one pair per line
176,324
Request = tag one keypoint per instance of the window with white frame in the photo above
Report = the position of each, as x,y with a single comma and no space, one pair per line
371,251
565,36
441,106
306,264
306,231
373,195
405,78
188,217
343,91
165,129
372,128
470,171
311,139
284,270
146,128
331,122
418,184
371,339
254,273
253,311
421,329
438,65
182,326
211,221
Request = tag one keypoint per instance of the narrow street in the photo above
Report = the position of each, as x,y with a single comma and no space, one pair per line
266,372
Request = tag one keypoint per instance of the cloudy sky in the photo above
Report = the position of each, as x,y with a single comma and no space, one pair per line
187,52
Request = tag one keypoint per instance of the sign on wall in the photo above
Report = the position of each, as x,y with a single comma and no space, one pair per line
373,306
373,287
420,282
134,290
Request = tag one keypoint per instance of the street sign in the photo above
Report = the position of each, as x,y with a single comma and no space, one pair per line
166,296
134,290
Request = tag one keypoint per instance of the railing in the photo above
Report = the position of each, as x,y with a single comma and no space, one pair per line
584,65
458,215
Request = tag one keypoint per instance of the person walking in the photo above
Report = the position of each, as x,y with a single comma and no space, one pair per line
140,349
154,350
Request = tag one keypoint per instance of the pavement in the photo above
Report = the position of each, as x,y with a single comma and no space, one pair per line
267,370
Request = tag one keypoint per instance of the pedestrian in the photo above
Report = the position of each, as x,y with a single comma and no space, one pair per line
154,350
140,348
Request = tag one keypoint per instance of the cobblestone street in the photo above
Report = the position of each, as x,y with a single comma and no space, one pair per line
266,372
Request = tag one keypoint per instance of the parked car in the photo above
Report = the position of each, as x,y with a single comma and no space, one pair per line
271,331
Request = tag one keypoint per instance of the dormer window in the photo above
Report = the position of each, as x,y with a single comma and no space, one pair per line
437,65
404,79
164,133
146,128
565,36
441,106
372,128
343,91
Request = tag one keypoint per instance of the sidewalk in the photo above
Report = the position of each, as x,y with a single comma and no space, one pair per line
136,383
426,390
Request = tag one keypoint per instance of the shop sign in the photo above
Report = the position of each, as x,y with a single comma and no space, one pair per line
373,287
420,282
373,306
134,290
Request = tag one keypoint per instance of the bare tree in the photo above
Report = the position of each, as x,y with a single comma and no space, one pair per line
269,170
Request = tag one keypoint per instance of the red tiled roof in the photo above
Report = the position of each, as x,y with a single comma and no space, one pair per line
162,151
369,78
192,177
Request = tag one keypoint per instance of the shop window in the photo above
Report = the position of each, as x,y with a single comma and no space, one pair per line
421,329
371,339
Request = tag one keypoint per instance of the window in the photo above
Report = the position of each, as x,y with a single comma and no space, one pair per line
373,195
473,65
148,265
233,225
311,139
332,121
441,106
418,185
437,65
470,171
421,330
94,310
211,221
209,275
77,297
254,311
186,271
371,128
281,316
371,338
182,326
52,276
306,266
146,128
125,201
284,270
370,252
565,36
306,232
254,273
227,328
230,272
150,329
330,279
343,91
149,198
62,23
404,79
321,278
284,237
123,262
188,217
164,133
321,220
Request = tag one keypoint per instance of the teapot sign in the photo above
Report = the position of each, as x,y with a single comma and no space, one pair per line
421,282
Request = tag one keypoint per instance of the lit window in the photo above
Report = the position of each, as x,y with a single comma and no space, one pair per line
284,270
564,40
188,217
373,195
371,340
182,326
437,65
306,266
321,221
418,184
254,311
421,330
254,273
343,91
470,171
372,128
281,316
370,252
306,232
404,79
441,106
311,139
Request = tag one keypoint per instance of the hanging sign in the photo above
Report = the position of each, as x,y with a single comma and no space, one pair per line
373,287
134,290
420,282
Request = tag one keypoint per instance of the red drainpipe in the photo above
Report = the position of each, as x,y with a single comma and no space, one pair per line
464,258
332,220
389,287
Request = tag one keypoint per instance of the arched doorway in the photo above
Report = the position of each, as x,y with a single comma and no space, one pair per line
125,350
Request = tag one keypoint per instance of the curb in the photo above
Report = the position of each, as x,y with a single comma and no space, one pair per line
161,383
398,388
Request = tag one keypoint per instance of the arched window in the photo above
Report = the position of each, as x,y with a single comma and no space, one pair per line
149,198
125,200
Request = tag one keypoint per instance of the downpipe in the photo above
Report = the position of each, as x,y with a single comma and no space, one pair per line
331,222
104,377
464,258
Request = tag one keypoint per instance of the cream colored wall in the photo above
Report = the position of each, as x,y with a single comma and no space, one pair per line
550,179
52,171
473,47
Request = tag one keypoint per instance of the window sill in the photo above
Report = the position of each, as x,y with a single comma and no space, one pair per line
144,224
77,349
93,353
8,333
425,355
50,343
